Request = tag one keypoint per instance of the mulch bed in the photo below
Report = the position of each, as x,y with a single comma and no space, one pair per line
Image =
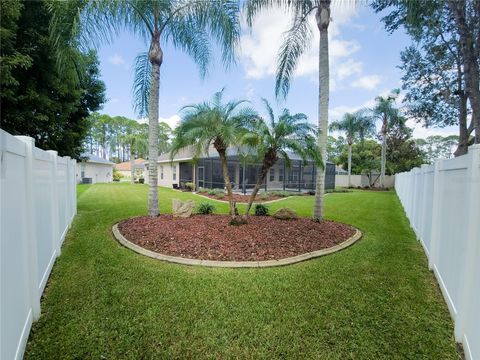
210,237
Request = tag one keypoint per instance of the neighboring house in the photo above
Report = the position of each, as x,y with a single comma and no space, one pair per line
340,171
125,167
206,172
94,169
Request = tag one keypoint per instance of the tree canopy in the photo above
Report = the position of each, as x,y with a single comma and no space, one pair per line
37,99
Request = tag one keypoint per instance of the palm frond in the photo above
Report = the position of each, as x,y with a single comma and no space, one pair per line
296,41
141,84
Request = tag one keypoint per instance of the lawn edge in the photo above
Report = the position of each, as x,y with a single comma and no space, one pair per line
235,264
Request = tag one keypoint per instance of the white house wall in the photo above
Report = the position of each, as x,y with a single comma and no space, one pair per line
99,173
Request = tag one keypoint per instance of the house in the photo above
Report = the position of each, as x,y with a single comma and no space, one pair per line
340,171
125,167
206,172
93,169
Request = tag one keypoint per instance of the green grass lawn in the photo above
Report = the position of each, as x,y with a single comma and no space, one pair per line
374,300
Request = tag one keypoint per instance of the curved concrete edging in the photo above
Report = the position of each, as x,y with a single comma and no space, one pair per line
235,264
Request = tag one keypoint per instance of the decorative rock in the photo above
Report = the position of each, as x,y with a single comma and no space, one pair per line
285,214
182,209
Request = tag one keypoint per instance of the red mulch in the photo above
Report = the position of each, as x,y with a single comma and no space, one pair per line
210,237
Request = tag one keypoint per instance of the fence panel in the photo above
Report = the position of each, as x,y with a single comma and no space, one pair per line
37,205
442,202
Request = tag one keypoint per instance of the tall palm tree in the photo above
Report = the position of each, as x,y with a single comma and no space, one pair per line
356,124
296,41
217,124
273,138
186,24
389,115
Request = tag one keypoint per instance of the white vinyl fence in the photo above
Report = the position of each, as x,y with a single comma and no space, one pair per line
442,202
37,205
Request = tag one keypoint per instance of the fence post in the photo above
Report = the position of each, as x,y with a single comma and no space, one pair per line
55,226
31,232
74,182
436,211
68,202
472,247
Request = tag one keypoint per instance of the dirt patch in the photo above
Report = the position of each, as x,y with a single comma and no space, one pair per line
210,237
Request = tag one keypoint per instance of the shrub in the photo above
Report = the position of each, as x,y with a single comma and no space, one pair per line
215,192
261,210
263,195
205,208
285,214
220,195
280,193
117,175
190,186
202,190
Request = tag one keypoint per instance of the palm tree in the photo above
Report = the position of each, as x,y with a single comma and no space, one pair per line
186,24
389,115
296,41
356,124
274,138
217,124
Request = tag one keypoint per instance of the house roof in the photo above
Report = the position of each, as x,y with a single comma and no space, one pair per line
340,170
187,153
95,159
125,166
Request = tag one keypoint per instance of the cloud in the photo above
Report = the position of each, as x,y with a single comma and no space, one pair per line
259,47
116,59
367,82
421,132
172,121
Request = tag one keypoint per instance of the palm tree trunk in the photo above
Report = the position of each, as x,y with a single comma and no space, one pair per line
226,179
349,164
132,163
156,57
323,20
383,160
260,179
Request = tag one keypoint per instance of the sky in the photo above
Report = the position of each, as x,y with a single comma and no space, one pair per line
364,61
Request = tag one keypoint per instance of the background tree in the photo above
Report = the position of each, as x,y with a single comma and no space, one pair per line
437,147
272,139
187,25
137,139
217,124
358,124
334,148
403,152
389,115
298,39
37,99
365,157
442,69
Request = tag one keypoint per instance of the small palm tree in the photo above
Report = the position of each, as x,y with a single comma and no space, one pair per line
356,124
186,24
274,138
297,40
217,124
389,115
